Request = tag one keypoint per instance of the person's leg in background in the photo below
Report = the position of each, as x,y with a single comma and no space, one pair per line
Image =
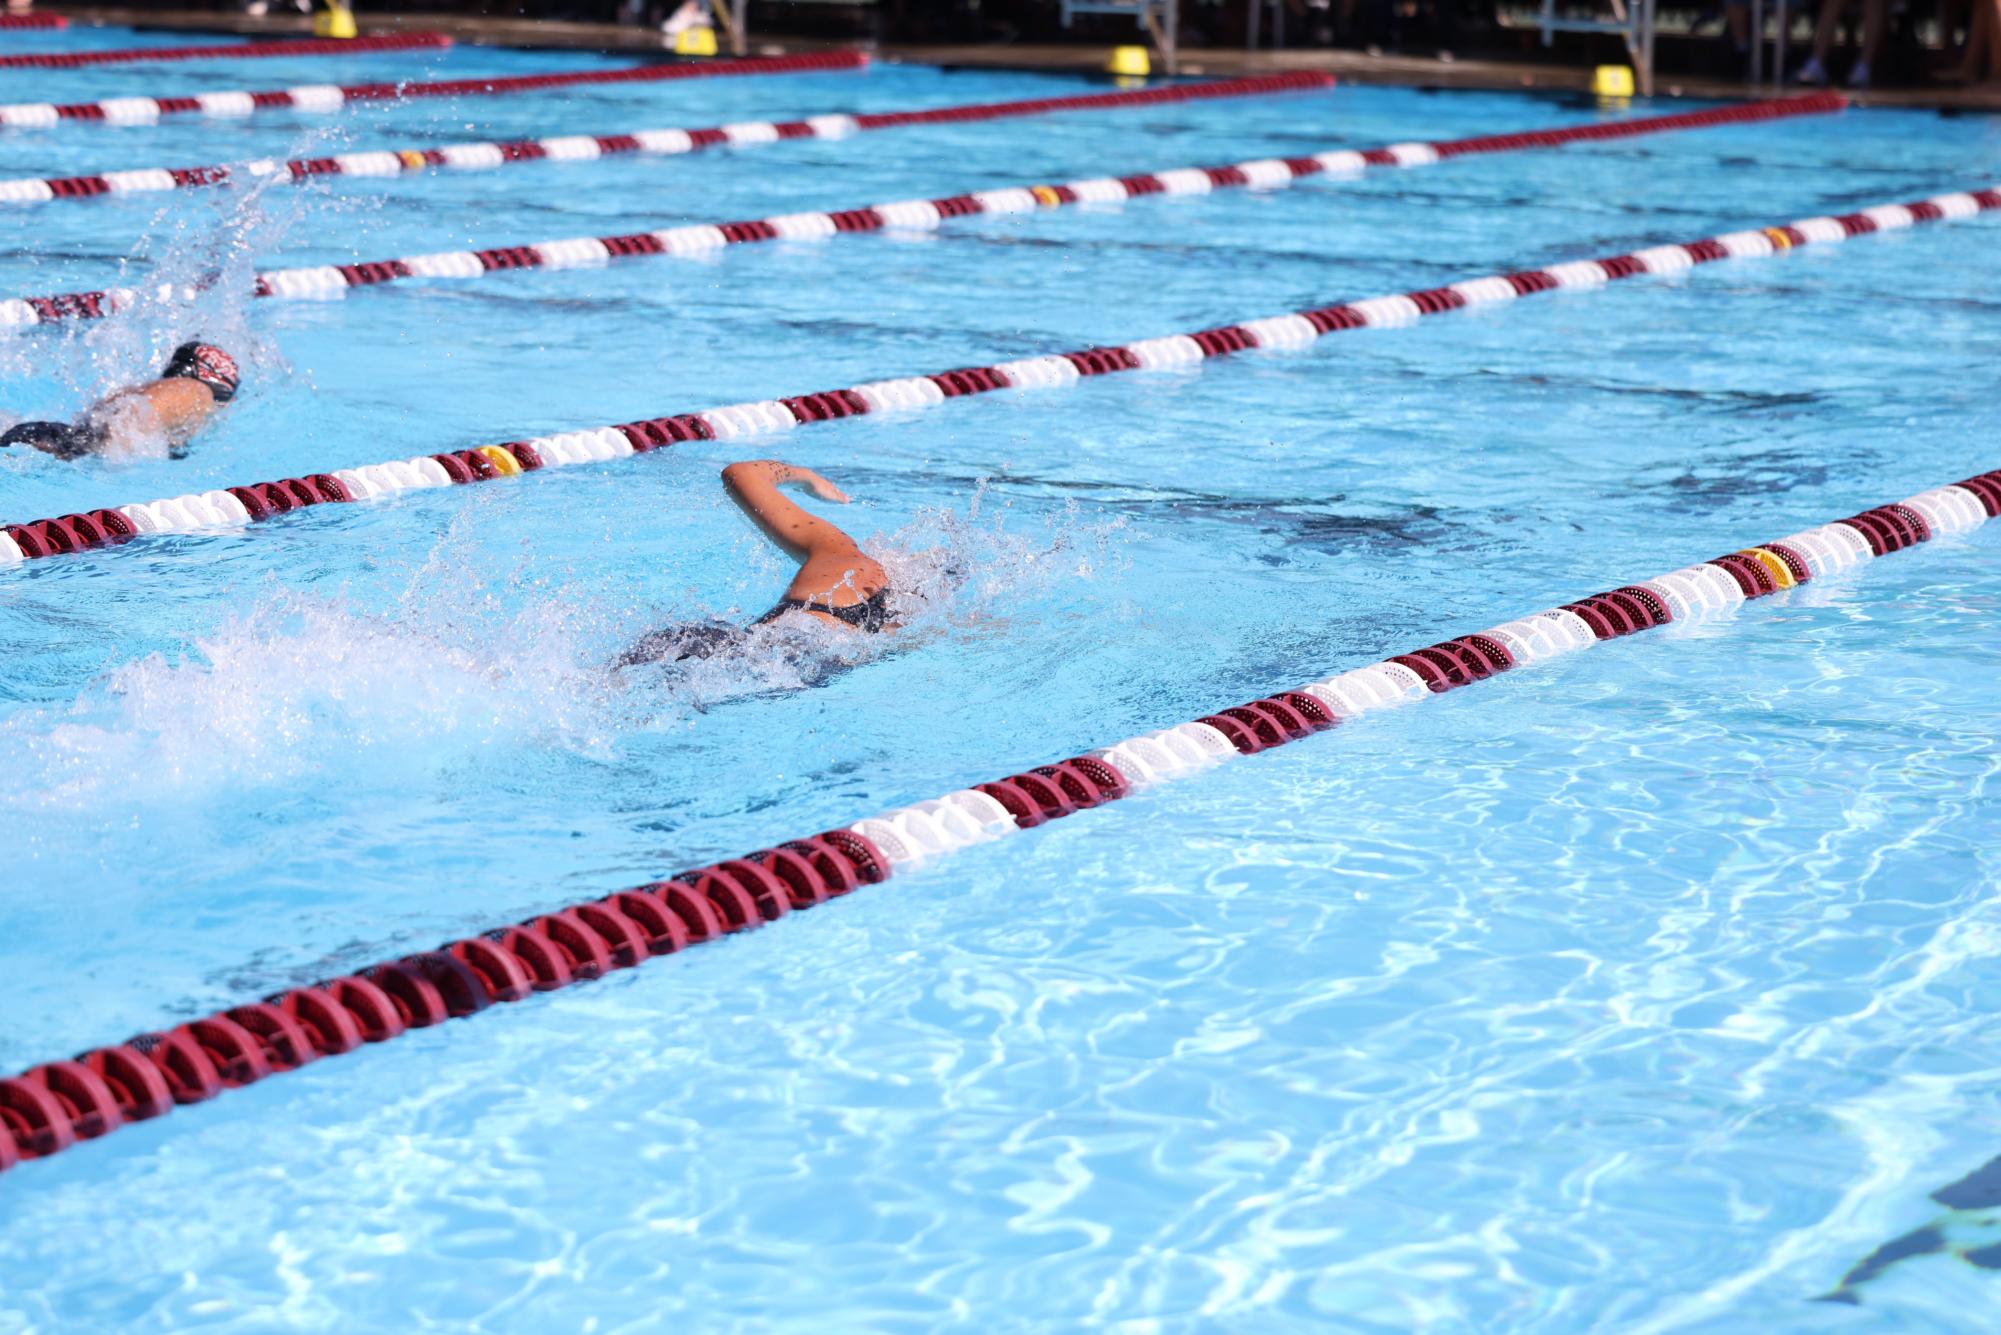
1875,17
1815,69
1982,63
1875,21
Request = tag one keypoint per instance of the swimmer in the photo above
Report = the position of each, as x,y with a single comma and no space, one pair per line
837,584
198,379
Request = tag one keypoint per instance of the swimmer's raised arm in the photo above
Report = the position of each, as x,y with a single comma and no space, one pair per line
837,583
832,568
753,485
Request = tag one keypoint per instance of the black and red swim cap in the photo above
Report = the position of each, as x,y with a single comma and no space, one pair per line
208,364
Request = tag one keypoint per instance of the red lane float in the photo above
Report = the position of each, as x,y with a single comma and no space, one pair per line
332,97
53,60
24,21
571,148
55,1106
239,505
324,280
59,1104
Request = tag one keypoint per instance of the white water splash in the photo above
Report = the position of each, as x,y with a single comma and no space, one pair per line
205,246
951,573
307,687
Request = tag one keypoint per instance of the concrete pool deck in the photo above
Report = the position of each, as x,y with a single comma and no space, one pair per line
1081,57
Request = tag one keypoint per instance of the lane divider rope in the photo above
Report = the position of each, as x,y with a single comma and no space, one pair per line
236,506
413,41
328,97
575,148
24,21
57,1105
319,281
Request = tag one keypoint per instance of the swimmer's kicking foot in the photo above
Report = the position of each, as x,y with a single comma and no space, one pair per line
198,380
837,583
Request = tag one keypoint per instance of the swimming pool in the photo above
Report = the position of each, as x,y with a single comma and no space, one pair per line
1646,991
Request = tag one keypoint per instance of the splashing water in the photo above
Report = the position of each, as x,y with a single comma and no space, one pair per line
951,573
296,683
195,269
457,667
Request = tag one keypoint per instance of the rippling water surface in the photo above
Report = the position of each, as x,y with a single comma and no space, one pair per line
1652,991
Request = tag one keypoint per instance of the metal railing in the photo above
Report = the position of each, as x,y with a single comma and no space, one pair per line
1254,20
1632,20
1782,10
1159,18
733,16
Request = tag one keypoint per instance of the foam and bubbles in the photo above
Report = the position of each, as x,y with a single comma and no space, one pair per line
460,666
195,268
298,683
951,573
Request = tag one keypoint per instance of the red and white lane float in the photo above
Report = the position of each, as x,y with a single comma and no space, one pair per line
333,280
326,97
44,22
60,60
52,1107
261,500
576,148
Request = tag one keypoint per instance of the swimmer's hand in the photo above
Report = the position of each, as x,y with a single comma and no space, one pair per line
741,477
813,482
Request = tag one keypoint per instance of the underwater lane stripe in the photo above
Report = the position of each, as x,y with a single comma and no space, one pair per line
55,1106
574,148
413,41
239,505
333,280
332,97
26,21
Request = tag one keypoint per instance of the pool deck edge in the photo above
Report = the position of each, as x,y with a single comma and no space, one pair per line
1079,58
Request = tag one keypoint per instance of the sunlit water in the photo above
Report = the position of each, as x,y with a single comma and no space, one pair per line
1648,992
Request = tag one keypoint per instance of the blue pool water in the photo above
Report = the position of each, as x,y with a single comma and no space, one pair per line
1651,991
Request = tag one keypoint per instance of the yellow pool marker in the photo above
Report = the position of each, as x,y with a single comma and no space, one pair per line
503,462
336,22
1131,62
1782,574
695,42
1779,239
1612,81
1046,197
412,159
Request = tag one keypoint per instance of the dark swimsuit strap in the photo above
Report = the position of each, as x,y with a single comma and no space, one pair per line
870,615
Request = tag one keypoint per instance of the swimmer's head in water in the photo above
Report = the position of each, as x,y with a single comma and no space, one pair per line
208,364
